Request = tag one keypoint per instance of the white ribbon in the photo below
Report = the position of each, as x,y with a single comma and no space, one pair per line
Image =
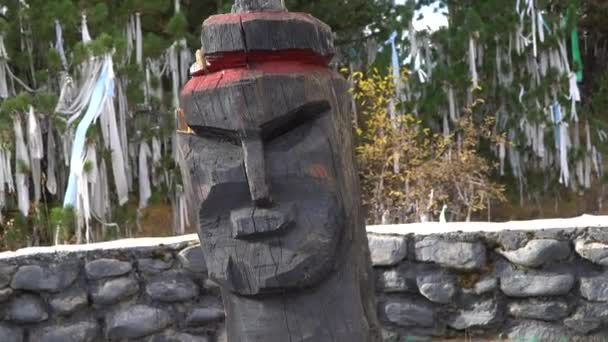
22,165
51,180
36,149
138,40
59,44
86,37
472,66
145,191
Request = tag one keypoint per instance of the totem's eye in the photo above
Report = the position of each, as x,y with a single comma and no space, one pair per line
218,134
294,119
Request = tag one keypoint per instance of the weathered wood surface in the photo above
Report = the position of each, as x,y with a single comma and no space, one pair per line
271,163
258,5
272,31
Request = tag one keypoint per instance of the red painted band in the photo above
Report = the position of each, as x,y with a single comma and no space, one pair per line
240,59
235,75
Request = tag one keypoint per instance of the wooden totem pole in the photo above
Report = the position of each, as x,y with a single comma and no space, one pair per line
266,134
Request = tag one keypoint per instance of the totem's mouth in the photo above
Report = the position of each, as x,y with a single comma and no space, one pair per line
252,223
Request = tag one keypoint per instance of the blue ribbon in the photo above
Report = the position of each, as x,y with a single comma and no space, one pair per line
103,88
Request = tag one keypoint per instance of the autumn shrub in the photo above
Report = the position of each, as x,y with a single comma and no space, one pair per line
408,172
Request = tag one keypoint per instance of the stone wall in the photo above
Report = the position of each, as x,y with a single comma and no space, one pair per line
547,284
148,290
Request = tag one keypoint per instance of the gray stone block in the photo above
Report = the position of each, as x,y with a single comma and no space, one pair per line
27,309
477,315
172,287
114,290
457,255
535,284
6,273
203,316
51,279
387,250
6,294
538,331
595,252
437,288
407,313
154,266
173,336
595,289
86,331
393,281
136,321
107,268
538,252
10,334
193,260
69,301
485,285
540,310
588,317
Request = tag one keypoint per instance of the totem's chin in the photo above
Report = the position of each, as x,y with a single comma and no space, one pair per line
250,279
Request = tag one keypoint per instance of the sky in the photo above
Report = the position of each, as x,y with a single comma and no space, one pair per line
431,19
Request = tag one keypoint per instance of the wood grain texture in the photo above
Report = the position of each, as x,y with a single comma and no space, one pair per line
272,173
266,31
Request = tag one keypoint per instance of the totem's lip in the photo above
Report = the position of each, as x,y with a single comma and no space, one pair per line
253,223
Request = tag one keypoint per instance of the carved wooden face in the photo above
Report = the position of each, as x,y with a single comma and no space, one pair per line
265,179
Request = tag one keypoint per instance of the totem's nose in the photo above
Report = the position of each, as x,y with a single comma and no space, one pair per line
255,168
254,222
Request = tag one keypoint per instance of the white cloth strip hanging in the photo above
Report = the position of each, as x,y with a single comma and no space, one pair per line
22,166
145,189
472,65
4,93
138,41
59,44
51,178
86,37
36,149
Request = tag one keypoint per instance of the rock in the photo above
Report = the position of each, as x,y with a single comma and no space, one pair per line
192,259
458,255
172,287
410,314
6,272
172,336
106,268
478,315
70,301
114,290
6,294
153,266
387,250
78,332
135,322
595,289
36,278
538,331
540,310
588,317
535,284
538,252
8,334
485,285
27,309
203,316
438,289
393,281
596,252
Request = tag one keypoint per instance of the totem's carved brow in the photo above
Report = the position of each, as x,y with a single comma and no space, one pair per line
217,134
290,121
